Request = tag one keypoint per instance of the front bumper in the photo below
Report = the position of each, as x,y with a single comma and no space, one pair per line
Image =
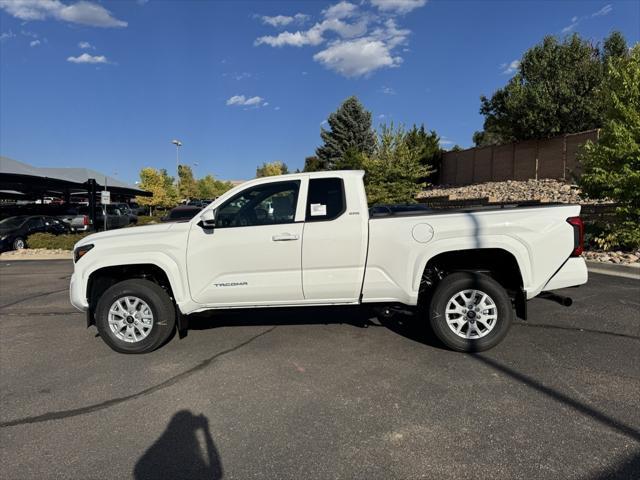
77,295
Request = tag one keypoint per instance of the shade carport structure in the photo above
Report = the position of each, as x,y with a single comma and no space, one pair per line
18,178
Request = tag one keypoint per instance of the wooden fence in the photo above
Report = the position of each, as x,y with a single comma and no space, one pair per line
550,158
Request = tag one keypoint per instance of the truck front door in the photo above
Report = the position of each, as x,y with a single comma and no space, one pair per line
253,254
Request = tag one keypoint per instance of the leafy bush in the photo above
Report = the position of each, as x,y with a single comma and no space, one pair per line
50,241
612,165
148,220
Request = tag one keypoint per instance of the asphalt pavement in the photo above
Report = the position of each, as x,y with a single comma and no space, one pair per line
318,393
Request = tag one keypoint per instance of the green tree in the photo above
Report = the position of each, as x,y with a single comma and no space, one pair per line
486,138
350,131
272,168
611,167
351,160
313,164
160,184
394,172
427,145
208,187
554,91
187,186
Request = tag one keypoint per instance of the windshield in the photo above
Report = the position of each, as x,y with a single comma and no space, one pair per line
12,222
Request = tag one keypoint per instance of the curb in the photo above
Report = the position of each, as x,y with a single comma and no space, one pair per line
625,271
33,258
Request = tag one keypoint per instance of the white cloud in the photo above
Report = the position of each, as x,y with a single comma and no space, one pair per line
575,20
382,116
388,91
7,35
314,36
82,12
574,23
241,100
398,6
355,58
86,46
34,43
357,42
340,10
606,10
86,58
509,68
276,108
445,142
284,20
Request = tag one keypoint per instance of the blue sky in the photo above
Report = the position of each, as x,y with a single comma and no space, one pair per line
109,84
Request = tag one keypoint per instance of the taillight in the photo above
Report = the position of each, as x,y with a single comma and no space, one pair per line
85,220
578,235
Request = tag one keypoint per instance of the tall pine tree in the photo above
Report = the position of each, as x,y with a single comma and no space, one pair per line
350,134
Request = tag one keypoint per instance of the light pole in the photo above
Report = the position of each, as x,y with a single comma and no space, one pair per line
178,144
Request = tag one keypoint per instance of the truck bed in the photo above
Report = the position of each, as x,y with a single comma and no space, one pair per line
418,209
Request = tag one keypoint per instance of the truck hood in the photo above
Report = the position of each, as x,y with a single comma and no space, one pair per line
124,235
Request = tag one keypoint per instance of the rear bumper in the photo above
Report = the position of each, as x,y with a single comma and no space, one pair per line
572,274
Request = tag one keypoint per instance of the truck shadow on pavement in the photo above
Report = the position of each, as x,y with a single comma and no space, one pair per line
179,453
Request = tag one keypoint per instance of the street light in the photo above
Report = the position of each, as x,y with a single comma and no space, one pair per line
178,144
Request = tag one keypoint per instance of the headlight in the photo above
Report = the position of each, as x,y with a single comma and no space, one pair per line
79,252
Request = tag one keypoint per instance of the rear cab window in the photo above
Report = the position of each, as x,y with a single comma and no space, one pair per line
325,200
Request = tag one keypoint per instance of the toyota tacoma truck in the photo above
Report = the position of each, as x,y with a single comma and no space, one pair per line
310,239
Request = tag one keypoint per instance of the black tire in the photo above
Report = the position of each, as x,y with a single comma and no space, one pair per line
19,243
161,306
459,282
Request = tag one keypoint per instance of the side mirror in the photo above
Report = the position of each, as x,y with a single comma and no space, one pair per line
208,218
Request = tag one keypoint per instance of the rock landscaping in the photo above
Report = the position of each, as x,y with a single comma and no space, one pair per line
546,190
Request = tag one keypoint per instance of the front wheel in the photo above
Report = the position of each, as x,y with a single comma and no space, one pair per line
135,316
470,312
19,243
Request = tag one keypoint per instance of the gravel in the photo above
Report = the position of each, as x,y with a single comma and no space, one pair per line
547,190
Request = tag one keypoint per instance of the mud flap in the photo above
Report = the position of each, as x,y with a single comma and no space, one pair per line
521,304
182,322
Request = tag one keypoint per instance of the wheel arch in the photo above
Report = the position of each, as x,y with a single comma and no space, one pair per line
499,263
101,278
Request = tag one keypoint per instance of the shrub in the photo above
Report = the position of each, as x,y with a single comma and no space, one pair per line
612,165
50,241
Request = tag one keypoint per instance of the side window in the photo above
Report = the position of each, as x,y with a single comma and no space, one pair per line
35,223
269,204
325,200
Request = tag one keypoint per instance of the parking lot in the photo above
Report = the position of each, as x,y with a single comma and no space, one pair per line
318,393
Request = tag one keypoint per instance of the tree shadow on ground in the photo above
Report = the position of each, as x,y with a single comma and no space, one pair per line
185,450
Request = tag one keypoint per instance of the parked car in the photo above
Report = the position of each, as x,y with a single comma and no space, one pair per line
138,209
183,213
125,209
309,239
77,221
15,230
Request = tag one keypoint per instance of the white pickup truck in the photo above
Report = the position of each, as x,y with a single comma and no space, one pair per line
309,239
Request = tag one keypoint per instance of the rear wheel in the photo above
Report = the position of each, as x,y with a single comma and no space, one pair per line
135,316
470,312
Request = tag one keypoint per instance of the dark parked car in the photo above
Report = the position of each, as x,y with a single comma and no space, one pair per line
181,214
15,230
127,210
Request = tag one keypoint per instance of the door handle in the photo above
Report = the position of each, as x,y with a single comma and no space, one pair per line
284,237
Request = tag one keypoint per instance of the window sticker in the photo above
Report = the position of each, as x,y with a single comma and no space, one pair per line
318,210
